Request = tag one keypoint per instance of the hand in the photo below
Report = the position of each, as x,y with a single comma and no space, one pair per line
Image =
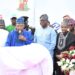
65,52
21,37
59,56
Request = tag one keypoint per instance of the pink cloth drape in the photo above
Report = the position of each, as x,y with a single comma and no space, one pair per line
33,59
72,72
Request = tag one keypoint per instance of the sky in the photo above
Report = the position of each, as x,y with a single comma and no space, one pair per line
55,9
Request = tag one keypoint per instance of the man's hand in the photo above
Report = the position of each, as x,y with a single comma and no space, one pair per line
59,56
65,52
21,37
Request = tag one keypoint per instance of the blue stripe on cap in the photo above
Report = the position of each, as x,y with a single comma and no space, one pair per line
20,20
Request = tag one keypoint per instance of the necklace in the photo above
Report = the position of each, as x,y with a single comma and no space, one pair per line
62,41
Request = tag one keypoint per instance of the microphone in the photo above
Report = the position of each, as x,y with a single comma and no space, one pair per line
19,32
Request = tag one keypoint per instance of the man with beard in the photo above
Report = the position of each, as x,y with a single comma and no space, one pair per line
65,41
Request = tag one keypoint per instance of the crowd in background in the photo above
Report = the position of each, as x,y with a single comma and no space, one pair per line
19,33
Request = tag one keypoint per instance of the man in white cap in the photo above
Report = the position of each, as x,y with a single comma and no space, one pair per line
46,35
